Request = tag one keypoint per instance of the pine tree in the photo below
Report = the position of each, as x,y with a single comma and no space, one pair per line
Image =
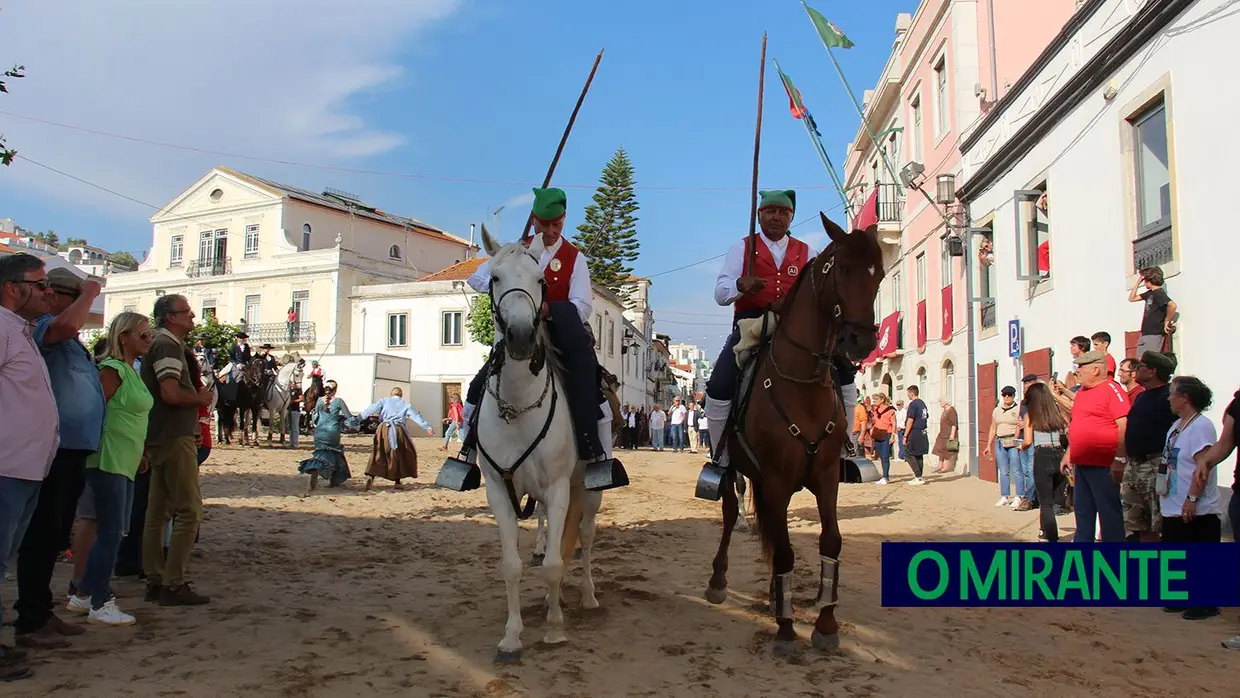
608,236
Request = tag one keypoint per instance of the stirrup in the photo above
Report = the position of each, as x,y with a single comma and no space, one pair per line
460,474
606,474
710,482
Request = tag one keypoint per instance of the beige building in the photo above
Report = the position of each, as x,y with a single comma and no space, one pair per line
241,247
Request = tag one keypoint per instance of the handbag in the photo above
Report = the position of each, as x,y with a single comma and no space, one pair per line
953,445
879,434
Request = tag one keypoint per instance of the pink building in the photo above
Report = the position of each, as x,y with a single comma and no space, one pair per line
950,63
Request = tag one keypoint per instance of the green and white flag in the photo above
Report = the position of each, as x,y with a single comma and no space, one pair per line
831,35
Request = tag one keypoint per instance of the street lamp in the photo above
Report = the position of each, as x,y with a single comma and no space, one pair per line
945,189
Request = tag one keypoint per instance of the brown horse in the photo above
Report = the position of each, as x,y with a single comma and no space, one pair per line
795,420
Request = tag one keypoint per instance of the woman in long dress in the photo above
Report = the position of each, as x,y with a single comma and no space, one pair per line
948,431
327,460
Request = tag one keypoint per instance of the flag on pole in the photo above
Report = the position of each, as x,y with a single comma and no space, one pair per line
831,35
868,215
795,105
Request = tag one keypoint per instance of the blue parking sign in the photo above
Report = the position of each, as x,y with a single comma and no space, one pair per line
1014,338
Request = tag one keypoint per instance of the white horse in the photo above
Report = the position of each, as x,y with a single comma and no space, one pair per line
526,442
277,395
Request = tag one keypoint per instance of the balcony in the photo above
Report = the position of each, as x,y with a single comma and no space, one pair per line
1152,250
281,333
209,267
890,205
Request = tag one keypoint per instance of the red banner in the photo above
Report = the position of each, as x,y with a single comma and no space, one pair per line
921,326
868,215
888,339
948,318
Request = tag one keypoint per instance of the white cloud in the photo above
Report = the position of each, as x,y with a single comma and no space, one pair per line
275,78
518,201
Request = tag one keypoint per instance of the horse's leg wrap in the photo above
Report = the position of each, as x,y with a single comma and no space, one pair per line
828,592
783,595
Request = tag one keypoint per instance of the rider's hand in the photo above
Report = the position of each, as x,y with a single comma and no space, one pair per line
750,284
545,310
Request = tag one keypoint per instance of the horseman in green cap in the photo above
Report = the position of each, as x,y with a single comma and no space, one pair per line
568,307
778,260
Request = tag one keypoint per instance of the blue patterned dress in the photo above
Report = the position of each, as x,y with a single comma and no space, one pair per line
328,459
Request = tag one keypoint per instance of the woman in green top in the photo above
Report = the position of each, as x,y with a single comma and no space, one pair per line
111,471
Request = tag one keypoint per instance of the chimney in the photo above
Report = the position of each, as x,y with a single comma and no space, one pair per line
470,252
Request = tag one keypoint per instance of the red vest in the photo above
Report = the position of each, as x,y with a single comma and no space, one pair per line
778,279
559,272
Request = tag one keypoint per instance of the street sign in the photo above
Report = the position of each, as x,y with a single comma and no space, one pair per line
1014,339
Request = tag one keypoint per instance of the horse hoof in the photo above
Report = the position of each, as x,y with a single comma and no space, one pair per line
555,637
589,603
742,525
508,657
716,596
783,648
537,559
825,643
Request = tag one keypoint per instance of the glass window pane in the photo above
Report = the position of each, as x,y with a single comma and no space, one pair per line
1155,175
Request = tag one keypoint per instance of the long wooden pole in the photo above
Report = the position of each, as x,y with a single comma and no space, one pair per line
529,221
753,189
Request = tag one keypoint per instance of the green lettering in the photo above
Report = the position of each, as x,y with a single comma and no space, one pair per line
1102,568
1074,567
970,576
1036,576
1014,577
1143,558
1167,575
944,576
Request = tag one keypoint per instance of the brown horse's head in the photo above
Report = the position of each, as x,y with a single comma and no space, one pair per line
253,372
855,263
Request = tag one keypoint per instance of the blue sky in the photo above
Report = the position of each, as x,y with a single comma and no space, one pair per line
456,90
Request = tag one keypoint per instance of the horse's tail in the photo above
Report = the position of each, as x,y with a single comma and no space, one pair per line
763,520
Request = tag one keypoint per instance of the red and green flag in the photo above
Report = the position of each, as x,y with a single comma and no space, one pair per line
795,105
831,35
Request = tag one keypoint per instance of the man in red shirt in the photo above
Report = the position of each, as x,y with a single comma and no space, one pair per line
1127,377
1096,450
1102,343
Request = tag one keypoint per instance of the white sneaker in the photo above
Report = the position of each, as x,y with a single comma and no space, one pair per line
881,481
917,481
110,615
1003,502
78,604
1233,643
1015,502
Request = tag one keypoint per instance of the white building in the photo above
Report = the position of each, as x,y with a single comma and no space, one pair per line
21,241
1118,123
426,320
91,260
242,247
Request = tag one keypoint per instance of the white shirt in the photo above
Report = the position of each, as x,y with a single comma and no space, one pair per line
703,423
901,418
657,419
1180,466
678,414
580,293
726,292
633,418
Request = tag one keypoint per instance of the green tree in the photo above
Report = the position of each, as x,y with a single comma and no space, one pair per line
480,322
50,237
124,258
74,241
6,154
216,335
608,236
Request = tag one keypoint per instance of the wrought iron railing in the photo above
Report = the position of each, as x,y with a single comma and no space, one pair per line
209,267
988,314
278,333
1152,250
890,205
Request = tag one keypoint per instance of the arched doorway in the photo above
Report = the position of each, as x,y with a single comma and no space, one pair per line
921,381
888,385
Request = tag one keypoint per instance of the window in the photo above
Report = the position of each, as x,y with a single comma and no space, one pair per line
914,148
208,308
206,245
598,332
945,278
921,277
252,304
176,250
897,292
394,252
1153,187
985,280
451,323
398,330
940,83
921,382
874,173
131,308
611,337
251,241
301,305
305,237
1033,233
948,388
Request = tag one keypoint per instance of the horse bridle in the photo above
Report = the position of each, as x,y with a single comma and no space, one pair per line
822,358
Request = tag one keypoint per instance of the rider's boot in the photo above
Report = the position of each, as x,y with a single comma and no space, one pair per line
711,481
848,395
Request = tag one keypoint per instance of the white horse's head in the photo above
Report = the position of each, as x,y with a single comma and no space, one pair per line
517,292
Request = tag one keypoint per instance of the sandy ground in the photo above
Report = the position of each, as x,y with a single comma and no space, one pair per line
353,593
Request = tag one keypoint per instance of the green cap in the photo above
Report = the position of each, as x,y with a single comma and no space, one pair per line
1162,364
778,197
549,204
